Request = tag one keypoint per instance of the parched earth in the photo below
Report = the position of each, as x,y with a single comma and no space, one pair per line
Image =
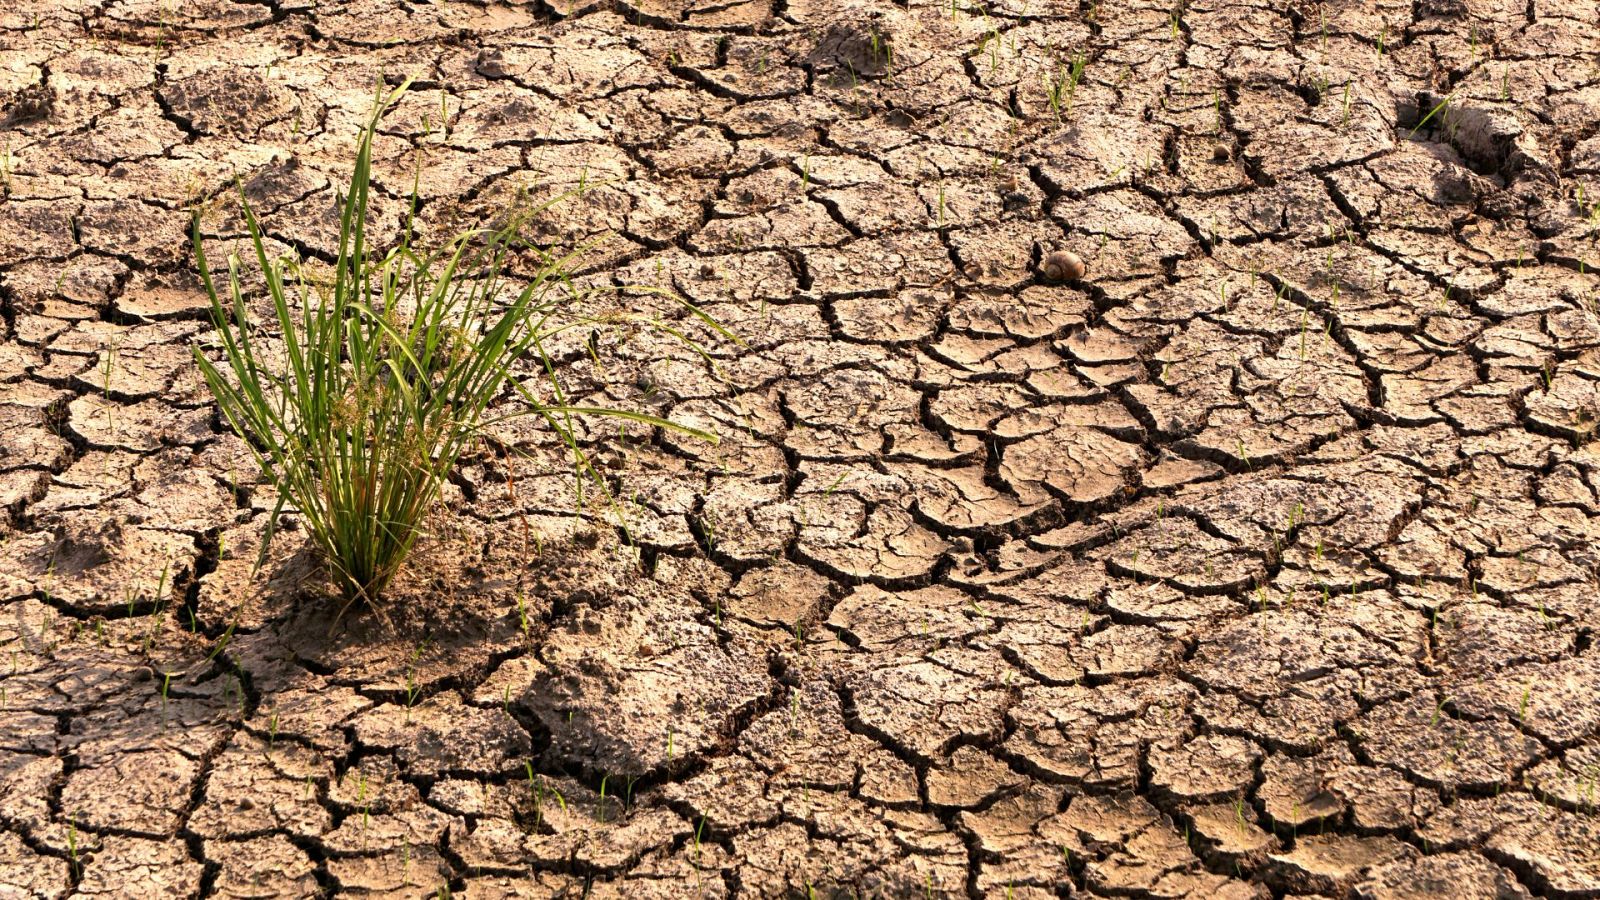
1261,561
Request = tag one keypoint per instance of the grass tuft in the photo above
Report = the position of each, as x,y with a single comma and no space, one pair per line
369,384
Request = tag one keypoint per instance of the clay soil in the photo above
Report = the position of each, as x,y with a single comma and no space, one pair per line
1259,562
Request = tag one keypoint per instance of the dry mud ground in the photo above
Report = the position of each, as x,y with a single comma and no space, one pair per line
1259,562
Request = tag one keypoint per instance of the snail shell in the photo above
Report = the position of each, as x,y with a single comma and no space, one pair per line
1063,265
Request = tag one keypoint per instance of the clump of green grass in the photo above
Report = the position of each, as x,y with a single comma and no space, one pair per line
385,371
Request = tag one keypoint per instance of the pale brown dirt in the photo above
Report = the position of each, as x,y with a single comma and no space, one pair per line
1259,562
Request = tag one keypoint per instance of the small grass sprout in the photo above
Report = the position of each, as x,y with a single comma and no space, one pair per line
1063,85
1442,106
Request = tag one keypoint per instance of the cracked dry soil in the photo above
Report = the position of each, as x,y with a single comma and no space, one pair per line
1259,562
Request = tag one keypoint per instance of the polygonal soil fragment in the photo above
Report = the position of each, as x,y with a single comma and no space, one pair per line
1208,767
614,698
1094,735
1332,862
139,793
1131,848
808,742
127,866
1080,464
227,100
969,778
29,874
888,546
99,564
441,734
1418,737
261,867
260,788
1465,875
1178,552
1561,849
922,706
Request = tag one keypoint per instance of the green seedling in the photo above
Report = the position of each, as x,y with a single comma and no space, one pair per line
222,642
364,800
6,163
1061,89
161,33
72,842
160,607
413,689
1443,106
108,368
880,49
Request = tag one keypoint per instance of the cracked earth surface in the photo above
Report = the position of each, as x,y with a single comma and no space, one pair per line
1258,562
